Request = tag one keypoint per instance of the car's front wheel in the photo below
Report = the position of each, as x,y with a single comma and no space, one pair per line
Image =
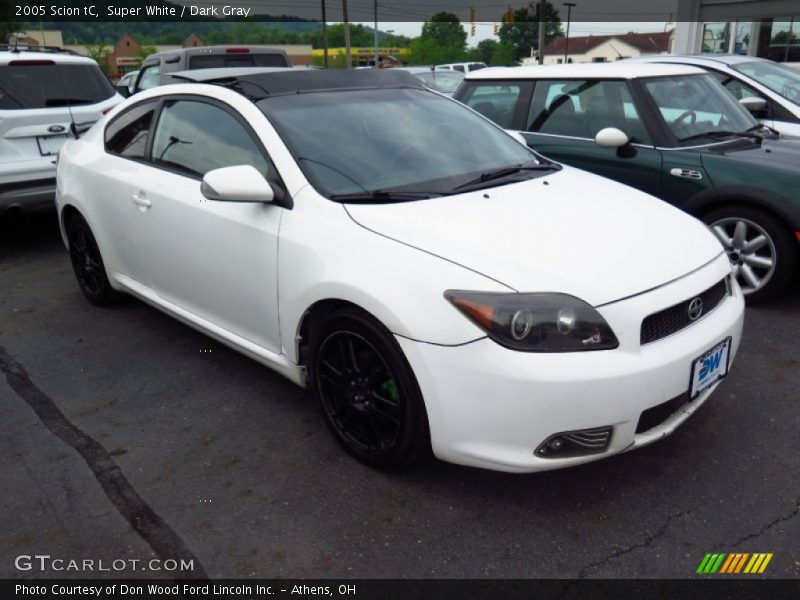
759,246
368,393
87,263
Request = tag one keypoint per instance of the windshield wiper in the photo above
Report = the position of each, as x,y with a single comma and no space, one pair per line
501,172
750,133
384,196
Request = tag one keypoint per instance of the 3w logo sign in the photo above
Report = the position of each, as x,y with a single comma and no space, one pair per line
734,563
710,365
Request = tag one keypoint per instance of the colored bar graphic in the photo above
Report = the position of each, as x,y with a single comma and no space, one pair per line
740,564
764,564
725,563
703,563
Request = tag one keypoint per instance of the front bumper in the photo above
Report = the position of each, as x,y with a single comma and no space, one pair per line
492,407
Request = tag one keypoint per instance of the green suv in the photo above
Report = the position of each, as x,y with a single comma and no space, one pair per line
672,131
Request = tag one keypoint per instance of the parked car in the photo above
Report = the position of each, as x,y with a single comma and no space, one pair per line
126,82
435,282
42,93
444,82
671,131
464,67
778,85
157,69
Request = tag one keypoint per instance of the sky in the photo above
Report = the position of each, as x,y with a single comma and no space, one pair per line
483,31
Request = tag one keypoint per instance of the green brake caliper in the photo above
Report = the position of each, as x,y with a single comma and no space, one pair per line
391,389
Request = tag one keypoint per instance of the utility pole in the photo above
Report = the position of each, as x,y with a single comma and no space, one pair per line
324,37
347,53
569,6
375,5
541,32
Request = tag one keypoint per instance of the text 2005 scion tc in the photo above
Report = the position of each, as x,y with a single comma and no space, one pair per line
436,283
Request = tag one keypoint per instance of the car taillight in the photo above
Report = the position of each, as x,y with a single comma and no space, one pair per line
237,50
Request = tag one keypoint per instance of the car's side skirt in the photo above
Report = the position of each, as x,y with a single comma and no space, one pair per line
277,362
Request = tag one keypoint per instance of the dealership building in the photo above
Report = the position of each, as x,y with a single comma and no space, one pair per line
768,28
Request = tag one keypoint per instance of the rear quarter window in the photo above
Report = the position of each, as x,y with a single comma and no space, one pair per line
128,133
497,101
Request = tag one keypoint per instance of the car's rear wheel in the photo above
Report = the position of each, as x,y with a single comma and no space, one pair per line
367,391
87,263
759,247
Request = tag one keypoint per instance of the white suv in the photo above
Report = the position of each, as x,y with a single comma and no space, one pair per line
42,93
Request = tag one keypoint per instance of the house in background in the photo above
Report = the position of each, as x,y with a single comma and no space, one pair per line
605,48
37,37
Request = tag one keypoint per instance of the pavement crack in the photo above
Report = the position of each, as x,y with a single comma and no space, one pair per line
643,544
764,529
148,524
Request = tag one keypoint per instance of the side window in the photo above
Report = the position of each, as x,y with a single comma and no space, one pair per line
495,101
196,137
582,108
736,87
150,77
127,134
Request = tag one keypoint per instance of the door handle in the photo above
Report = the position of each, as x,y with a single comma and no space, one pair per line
141,202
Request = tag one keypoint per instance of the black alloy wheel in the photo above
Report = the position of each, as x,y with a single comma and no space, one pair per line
368,394
87,263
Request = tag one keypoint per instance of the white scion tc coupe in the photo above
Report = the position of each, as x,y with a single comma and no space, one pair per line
437,284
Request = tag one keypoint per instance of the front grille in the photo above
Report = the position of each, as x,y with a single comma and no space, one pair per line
668,321
653,417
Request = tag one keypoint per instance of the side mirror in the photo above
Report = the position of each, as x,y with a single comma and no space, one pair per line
517,136
753,104
124,91
611,137
242,183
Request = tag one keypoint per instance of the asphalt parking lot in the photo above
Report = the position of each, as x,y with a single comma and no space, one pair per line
191,450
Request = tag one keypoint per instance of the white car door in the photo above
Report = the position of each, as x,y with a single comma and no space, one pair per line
217,260
114,218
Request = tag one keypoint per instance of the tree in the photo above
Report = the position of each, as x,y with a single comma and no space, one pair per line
483,51
503,55
359,36
443,39
143,52
785,37
99,53
522,34
6,27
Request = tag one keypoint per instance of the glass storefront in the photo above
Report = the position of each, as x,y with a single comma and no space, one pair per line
775,39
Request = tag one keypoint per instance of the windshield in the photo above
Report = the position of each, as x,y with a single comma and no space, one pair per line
37,85
390,140
442,81
780,79
694,105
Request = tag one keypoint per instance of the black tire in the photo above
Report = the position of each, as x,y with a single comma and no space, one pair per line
87,263
368,394
779,248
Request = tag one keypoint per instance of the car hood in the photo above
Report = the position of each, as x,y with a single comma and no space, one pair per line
570,232
777,155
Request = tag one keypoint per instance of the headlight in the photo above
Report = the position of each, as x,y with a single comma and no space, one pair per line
542,322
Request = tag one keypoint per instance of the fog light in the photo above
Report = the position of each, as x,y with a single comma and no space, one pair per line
575,443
